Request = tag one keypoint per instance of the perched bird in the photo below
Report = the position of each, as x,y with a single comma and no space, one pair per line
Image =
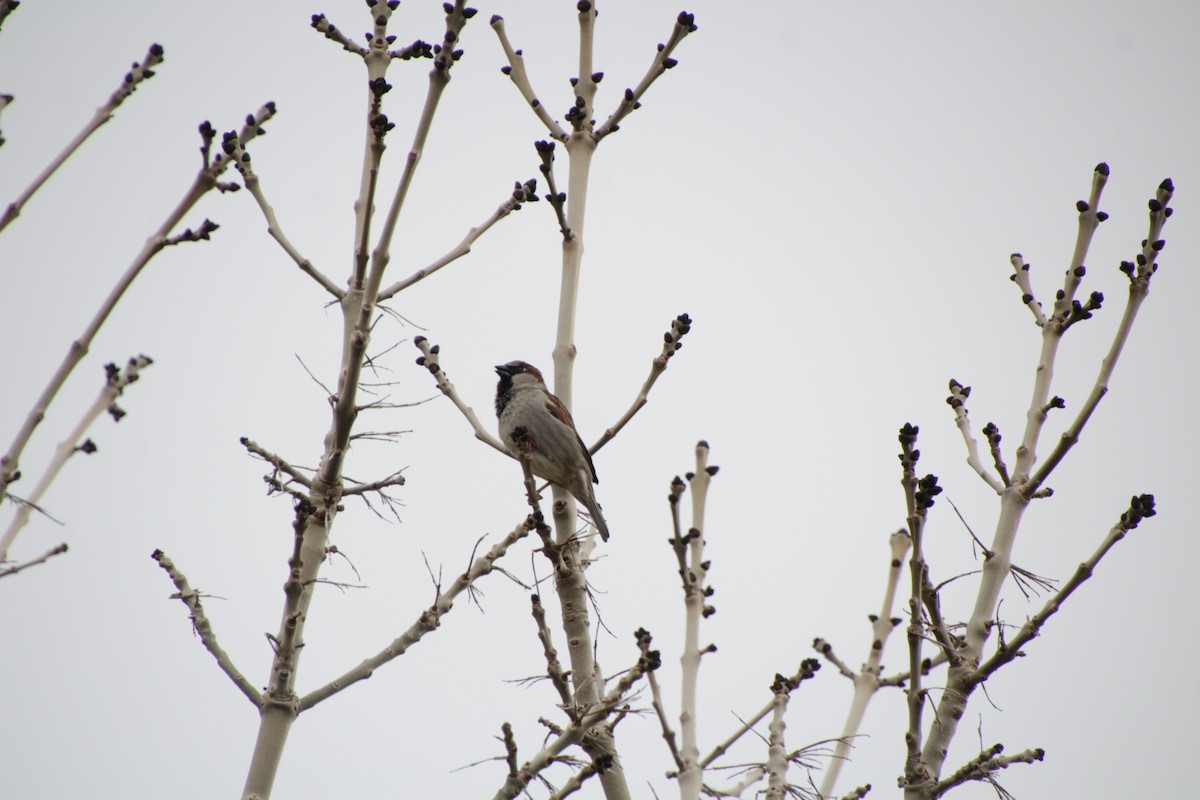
558,454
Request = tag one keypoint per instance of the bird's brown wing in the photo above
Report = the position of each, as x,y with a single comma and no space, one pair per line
560,413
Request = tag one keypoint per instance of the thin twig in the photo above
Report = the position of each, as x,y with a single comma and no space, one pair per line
141,71
520,78
254,186
826,650
522,193
958,401
660,712
672,342
395,479
1020,277
1139,288
331,32
1140,507
808,668
556,199
900,679
984,765
191,598
575,732
114,386
46,556
206,180
430,360
685,23
428,622
275,461
554,668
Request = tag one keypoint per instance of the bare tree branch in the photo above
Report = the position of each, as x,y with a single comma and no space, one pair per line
867,680
577,730
958,401
685,23
522,193
191,598
1139,287
1140,507
114,386
254,186
672,341
516,71
275,461
431,361
808,669
206,180
428,622
984,765
44,557
554,668
141,71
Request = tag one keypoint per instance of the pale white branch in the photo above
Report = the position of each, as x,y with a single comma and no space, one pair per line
141,71
685,23
205,180
573,733
694,573
672,341
1020,277
428,622
1053,329
254,186
958,401
332,33
777,761
808,668
867,680
522,193
430,360
191,598
1140,507
1139,288
520,78
44,557
114,387
982,767
277,462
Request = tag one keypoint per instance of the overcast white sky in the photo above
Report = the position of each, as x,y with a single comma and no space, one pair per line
831,190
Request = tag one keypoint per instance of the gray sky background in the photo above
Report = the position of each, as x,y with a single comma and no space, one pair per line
831,191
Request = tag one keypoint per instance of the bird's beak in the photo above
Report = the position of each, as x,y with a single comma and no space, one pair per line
501,369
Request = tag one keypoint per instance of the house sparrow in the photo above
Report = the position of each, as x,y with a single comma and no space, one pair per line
558,454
